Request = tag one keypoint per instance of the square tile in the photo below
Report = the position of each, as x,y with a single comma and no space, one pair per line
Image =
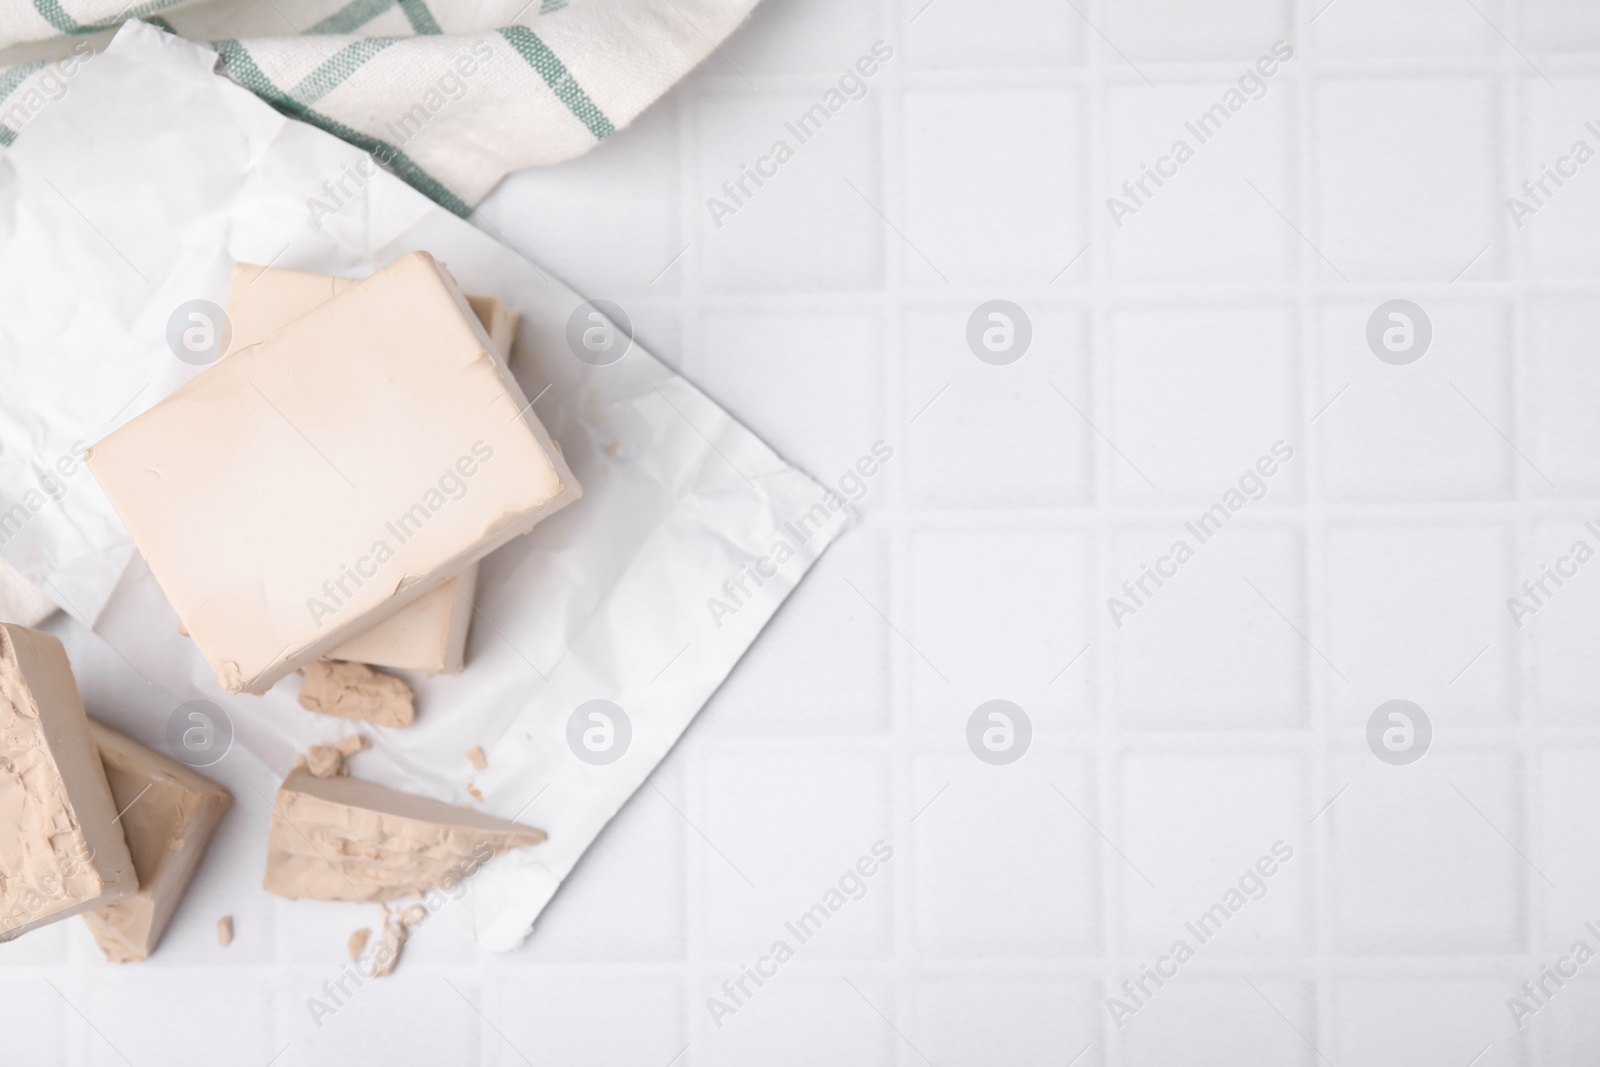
1417,612
1436,1019
1207,647
1569,791
812,382
994,186
1407,179
226,1019
1563,382
1216,1022
1561,25
1405,840
1405,31
1554,618
801,227
1226,29
992,878
823,37
1010,1019
1181,205
998,614
37,1023
1225,841
822,665
992,34
982,435
1568,1023
805,1019
1198,396
1429,430
1555,195
563,1021
784,829
404,1018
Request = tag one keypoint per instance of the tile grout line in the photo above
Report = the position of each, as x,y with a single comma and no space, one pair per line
1095,108
1520,532
890,313
1317,679
1579,64
698,972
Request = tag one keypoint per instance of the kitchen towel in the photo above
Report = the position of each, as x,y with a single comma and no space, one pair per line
450,97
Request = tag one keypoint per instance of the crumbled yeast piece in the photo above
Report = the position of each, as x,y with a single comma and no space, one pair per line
358,943
356,691
328,761
393,936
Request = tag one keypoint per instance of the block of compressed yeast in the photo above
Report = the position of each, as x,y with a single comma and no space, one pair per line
431,634
304,488
427,635
169,813
350,839
61,848
261,299
499,322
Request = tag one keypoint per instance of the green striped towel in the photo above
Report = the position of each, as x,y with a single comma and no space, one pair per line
450,95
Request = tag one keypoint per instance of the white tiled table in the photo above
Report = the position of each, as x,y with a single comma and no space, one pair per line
1169,754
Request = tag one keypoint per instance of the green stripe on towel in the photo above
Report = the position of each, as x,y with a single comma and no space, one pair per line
352,16
420,17
239,64
56,15
343,63
560,80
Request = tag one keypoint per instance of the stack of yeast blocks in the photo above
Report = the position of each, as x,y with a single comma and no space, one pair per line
90,822
429,634
315,493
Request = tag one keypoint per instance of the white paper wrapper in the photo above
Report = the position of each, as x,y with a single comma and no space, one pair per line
136,193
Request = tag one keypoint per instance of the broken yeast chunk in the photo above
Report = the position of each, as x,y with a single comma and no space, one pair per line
304,488
325,761
169,813
351,839
61,850
356,691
